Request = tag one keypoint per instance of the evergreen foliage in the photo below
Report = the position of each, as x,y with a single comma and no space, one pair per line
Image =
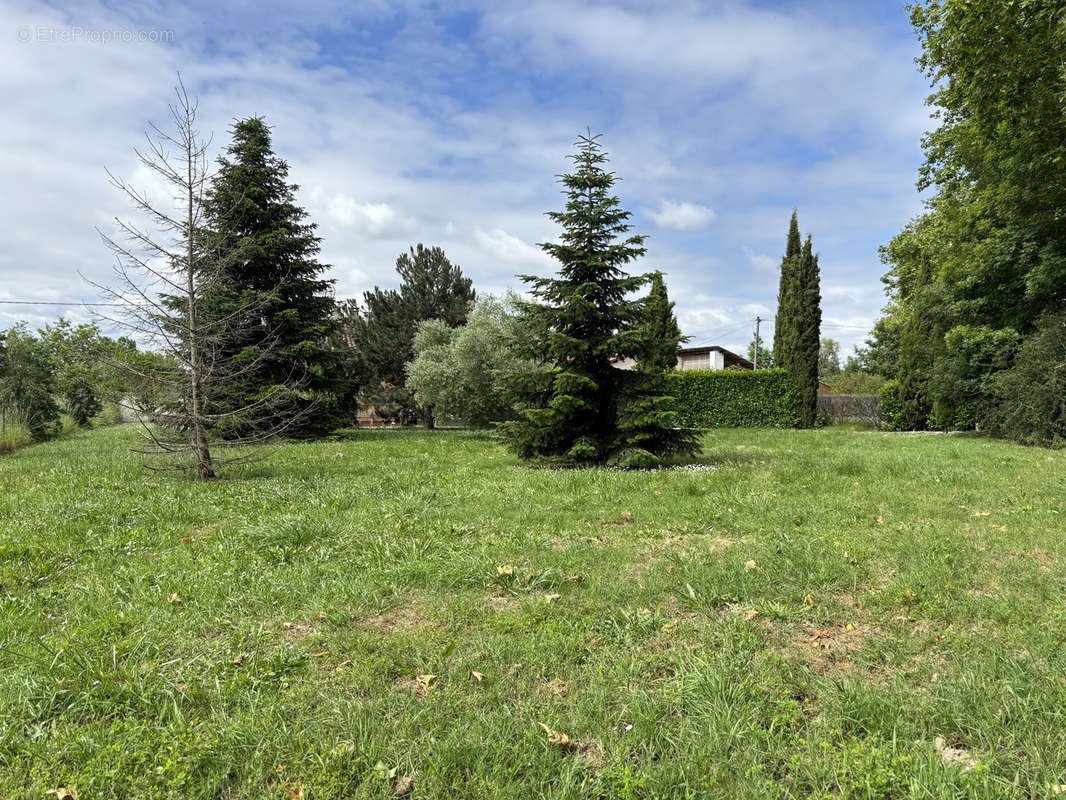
431,288
582,409
764,398
252,206
27,383
662,335
798,324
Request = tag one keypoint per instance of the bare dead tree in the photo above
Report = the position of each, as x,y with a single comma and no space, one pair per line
168,271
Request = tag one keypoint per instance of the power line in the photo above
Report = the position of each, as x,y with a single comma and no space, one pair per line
57,303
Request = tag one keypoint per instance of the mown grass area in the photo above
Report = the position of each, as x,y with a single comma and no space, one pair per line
824,614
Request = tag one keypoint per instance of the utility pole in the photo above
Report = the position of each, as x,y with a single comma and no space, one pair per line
757,321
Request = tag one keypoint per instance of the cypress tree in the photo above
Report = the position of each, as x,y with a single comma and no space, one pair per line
582,409
251,205
787,296
808,337
661,332
797,329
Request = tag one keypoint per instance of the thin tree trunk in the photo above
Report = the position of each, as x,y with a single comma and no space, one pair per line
203,453
427,417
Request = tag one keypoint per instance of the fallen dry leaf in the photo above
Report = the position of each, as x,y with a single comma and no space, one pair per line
294,792
551,598
404,784
820,635
64,792
626,515
427,681
321,615
505,569
318,655
477,676
808,601
173,598
558,739
751,613
981,513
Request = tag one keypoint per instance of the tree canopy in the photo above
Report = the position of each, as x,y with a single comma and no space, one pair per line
583,409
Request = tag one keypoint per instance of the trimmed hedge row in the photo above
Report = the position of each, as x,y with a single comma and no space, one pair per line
764,398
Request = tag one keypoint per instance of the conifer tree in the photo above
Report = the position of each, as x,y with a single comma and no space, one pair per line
808,337
252,205
787,294
432,288
582,409
661,332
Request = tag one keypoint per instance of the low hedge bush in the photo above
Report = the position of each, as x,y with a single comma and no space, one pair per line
764,398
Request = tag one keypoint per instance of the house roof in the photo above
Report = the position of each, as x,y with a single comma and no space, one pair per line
731,358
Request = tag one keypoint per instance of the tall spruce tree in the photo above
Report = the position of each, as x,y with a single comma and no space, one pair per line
582,409
252,205
797,328
661,332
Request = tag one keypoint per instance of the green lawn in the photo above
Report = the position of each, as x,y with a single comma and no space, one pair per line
824,614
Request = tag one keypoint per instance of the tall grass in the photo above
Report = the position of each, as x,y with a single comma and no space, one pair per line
13,435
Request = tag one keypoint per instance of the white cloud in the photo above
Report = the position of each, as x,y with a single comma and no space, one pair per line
683,216
510,249
760,262
376,220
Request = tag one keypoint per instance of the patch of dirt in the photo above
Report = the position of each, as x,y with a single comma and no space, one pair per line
398,620
956,756
296,630
502,602
557,687
592,753
1043,559
828,649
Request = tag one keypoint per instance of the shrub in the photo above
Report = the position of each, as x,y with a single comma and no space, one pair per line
734,398
892,407
1032,394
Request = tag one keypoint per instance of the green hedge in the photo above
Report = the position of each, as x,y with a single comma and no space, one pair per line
764,398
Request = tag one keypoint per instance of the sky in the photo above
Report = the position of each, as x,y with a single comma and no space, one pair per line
447,123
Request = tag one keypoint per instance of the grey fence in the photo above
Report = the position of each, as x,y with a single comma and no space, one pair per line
851,408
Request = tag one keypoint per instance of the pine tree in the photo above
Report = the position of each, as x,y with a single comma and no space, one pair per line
251,204
661,332
582,409
431,288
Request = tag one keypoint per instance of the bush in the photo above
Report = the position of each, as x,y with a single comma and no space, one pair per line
763,398
892,407
1031,394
